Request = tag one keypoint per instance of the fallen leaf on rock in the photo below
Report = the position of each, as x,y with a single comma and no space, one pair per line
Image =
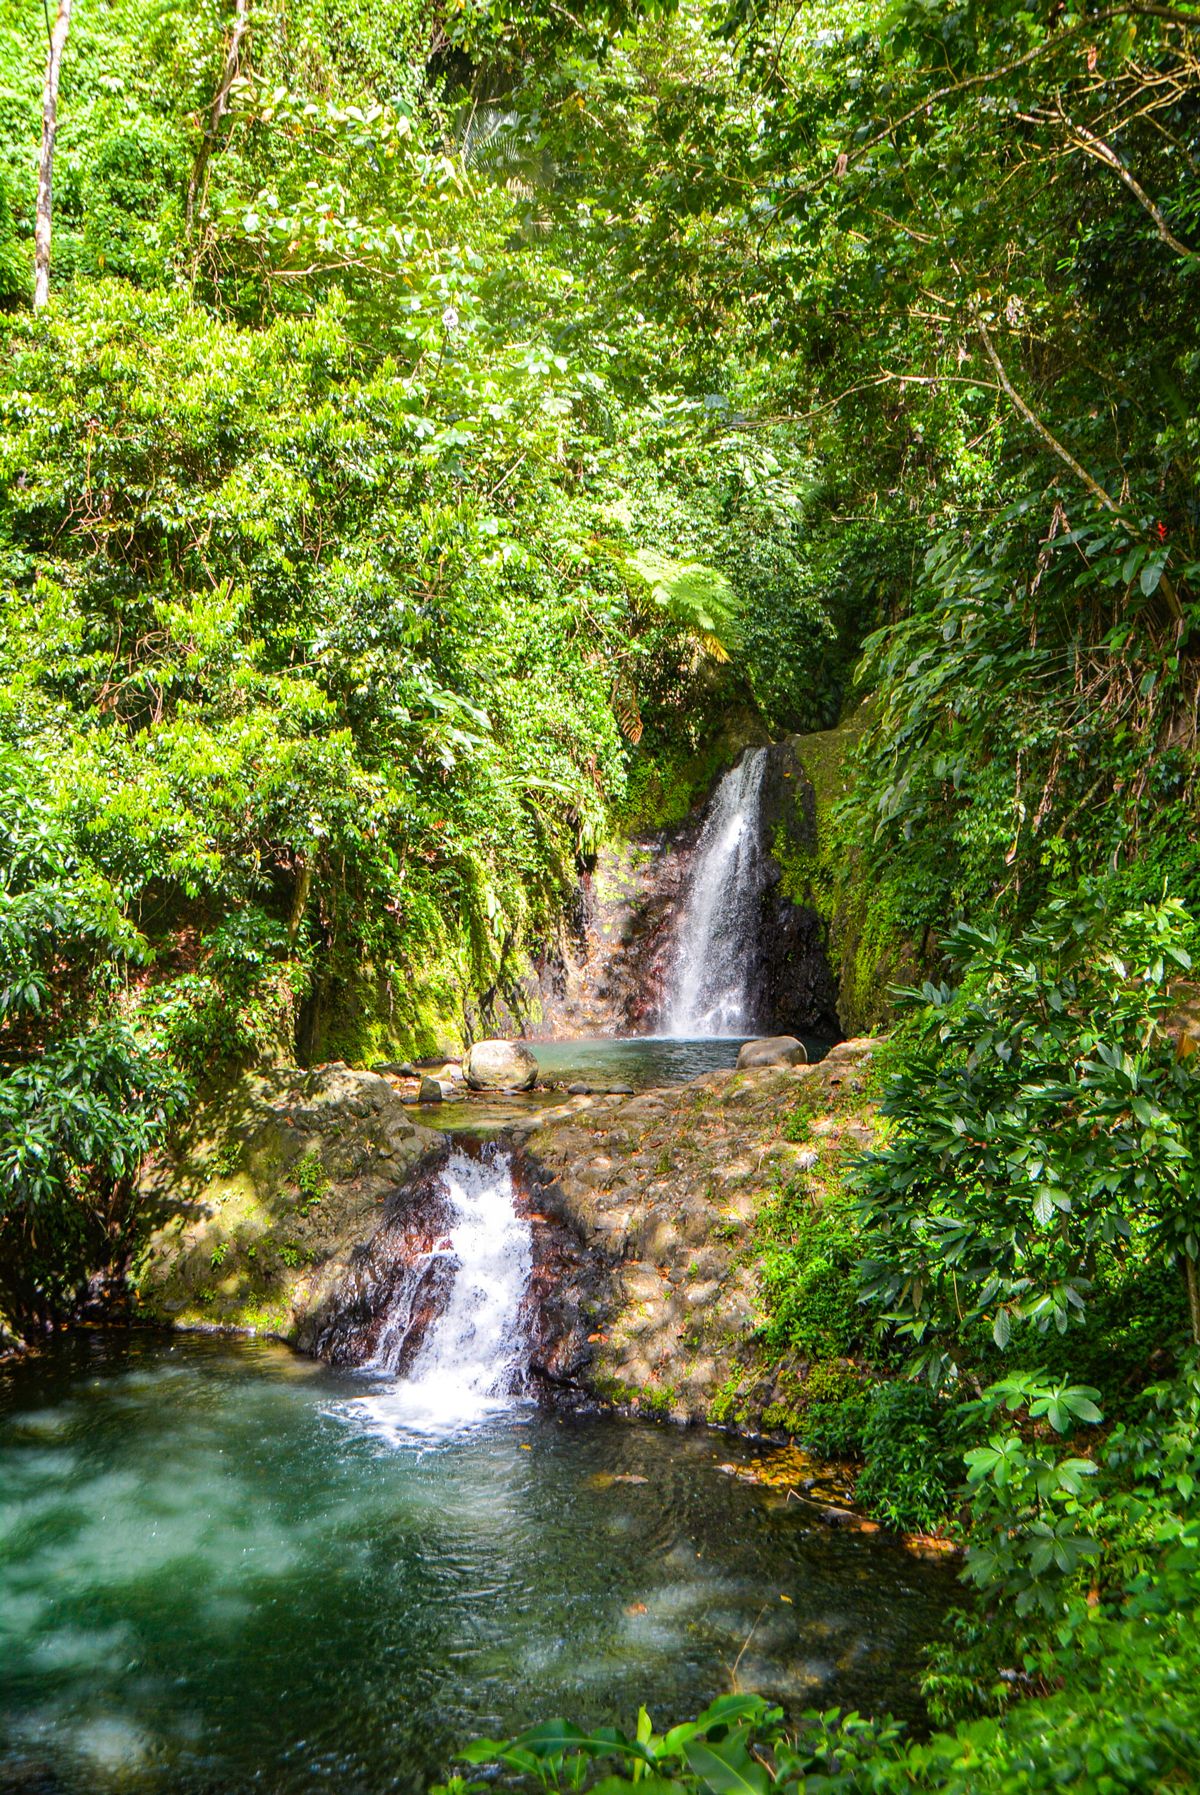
636,1608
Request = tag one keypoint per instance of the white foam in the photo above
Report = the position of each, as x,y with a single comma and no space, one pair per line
708,993
469,1365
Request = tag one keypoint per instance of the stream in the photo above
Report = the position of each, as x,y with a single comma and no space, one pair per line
226,1568
229,1570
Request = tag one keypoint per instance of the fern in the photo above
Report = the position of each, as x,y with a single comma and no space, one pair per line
697,597
626,709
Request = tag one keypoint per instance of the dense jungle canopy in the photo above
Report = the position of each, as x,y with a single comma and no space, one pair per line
458,426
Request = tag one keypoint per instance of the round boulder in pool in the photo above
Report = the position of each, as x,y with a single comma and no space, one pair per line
500,1066
772,1050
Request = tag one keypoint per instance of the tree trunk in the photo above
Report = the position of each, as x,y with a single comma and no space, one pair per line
1193,1290
219,107
41,236
299,901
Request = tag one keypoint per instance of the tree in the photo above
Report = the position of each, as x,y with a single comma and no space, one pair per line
54,56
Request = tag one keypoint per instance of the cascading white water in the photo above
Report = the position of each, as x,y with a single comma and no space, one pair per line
469,1363
709,991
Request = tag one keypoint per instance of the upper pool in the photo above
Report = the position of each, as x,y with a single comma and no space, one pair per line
644,1060
634,1062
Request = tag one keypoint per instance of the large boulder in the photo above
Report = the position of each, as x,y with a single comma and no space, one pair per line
772,1050
500,1066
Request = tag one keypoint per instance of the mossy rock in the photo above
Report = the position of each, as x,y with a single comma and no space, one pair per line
868,941
250,1221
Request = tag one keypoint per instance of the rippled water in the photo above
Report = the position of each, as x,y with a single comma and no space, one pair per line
223,1569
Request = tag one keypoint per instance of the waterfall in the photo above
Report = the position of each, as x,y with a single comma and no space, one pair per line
471,1355
709,988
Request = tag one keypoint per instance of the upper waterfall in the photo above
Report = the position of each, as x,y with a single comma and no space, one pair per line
709,990
471,1358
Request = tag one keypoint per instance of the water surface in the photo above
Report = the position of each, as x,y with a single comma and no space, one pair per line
227,1569
636,1062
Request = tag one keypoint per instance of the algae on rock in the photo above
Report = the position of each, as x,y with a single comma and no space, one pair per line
868,942
252,1220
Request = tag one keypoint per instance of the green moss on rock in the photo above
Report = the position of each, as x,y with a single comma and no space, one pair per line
249,1223
869,946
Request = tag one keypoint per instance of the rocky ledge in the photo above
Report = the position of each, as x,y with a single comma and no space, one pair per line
258,1219
647,1213
300,1202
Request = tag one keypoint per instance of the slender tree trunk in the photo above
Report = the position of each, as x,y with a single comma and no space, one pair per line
219,107
1193,1290
299,901
41,236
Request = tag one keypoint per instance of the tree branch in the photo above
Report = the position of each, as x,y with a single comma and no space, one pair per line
220,106
1064,454
1102,152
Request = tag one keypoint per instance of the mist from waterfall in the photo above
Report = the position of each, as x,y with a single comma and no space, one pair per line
470,1362
709,989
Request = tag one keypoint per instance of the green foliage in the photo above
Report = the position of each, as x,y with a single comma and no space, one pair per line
1026,1500
311,1180
835,1406
74,1124
910,1474
807,1256
1043,1129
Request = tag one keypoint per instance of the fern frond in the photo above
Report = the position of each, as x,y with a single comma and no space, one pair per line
626,709
697,597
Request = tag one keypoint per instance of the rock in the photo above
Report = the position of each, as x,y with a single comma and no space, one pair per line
395,1068
430,1091
500,1066
255,1212
579,1090
772,1050
618,1090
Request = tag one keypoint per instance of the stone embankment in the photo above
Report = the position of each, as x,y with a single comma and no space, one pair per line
647,1212
300,1197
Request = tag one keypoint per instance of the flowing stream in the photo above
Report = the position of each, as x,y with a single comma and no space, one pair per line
471,1360
709,991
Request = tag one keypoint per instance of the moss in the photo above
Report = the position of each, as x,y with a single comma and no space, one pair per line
872,954
370,1013
663,789
657,1399
868,943
612,1390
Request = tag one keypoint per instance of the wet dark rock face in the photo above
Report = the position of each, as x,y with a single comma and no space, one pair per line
397,1285
570,1287
611,971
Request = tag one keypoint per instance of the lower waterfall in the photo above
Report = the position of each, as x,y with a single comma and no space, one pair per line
715,946
471,1358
